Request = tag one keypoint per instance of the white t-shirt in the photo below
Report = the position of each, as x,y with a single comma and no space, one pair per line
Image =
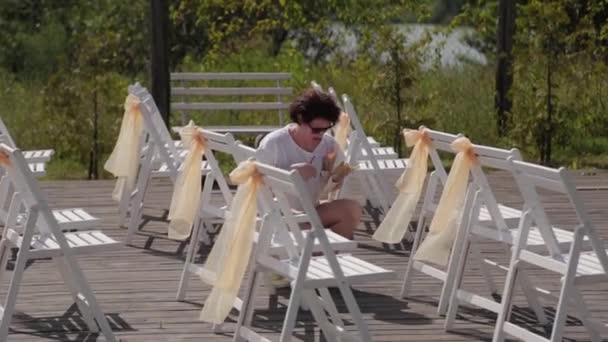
280,150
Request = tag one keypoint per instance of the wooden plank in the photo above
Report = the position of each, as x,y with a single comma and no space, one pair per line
191,106
209,91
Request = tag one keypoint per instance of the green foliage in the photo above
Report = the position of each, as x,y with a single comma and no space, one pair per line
559,45
62,62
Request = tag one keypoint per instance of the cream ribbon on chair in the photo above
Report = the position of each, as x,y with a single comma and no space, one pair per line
342,130
187,192
437,245
124,160
226,265
410,184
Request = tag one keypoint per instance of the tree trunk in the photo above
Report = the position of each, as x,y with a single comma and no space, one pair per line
504,67
548,125
398,100
94,156
159,57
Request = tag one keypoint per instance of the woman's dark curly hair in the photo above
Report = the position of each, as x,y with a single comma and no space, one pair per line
312,104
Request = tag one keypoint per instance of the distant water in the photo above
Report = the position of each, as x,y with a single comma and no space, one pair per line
451,49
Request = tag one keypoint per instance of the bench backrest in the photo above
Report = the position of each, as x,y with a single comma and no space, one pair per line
191,93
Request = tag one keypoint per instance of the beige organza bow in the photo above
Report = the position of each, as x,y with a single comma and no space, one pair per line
342,130
187,191
437,245
226,265
394,226
124,160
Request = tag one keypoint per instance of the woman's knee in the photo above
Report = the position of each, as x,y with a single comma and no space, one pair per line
354,210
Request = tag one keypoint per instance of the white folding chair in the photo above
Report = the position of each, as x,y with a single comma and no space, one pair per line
160,157
36,159
212,211
39,236
575,266
308,273
441,141
373,172
489,220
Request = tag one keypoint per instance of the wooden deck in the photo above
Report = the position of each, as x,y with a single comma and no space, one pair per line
137,285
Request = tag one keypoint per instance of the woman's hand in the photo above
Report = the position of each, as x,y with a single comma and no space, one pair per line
306,170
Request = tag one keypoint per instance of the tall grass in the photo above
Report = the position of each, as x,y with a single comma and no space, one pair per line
58,114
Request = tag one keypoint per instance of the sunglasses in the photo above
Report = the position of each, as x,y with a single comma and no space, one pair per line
319,130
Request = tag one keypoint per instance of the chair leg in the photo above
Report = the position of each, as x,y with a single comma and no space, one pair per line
137,204
585,316
532,298
457,283
13,291
87,292
185,277
246,313
292,309
561,313
123,208
73,289
310,297
410,271
505,305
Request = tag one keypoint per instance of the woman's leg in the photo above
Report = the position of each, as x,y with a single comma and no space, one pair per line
342,216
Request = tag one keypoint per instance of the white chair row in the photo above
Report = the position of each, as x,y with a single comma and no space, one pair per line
527,232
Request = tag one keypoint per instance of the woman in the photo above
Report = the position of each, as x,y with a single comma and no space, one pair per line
303,145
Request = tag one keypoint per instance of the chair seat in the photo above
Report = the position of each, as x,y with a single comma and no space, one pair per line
372,142
506,212
38,155
71,219
83,242
381,153
588,271
355,270
384,164
588,264
38,169
337,242
163,170
535,239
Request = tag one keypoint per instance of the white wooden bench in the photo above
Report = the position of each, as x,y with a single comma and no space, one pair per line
191,93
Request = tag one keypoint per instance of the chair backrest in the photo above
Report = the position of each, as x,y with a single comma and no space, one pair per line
222,143
281,189
157,133
359,141
440,141
5,135
243,152
334,95
27,193
315,85
496,158
530,177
